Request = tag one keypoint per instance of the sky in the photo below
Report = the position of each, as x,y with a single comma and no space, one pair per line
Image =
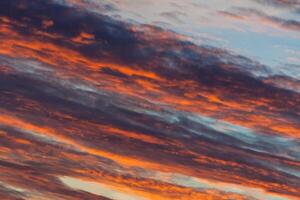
149,100
257,29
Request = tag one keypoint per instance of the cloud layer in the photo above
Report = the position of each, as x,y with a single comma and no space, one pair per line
97,108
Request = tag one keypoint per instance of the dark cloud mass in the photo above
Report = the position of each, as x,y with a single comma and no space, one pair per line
95,108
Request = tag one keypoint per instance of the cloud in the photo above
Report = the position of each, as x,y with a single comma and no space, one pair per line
246,14
10,193
293,5
173,16
284,82
85,96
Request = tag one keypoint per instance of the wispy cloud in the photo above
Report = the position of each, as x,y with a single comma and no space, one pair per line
293,5
262,18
